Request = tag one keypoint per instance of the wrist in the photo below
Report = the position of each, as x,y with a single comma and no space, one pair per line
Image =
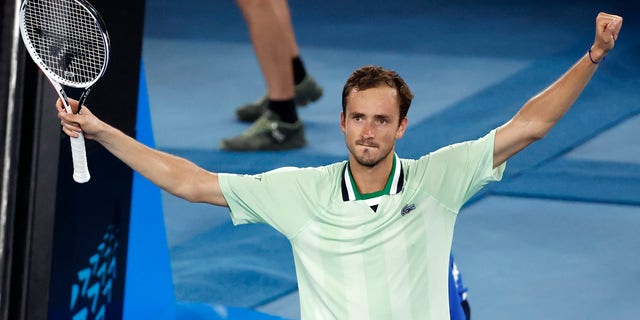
102,132
596,55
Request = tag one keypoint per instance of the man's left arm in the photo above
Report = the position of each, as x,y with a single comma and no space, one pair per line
542,112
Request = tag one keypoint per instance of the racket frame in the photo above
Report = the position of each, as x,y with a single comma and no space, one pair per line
80,168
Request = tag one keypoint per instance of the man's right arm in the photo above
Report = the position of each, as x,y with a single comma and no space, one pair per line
175,175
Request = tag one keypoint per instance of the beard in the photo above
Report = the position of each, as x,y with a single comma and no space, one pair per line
368,157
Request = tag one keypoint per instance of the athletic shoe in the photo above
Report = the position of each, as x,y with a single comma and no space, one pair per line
268,133
307,91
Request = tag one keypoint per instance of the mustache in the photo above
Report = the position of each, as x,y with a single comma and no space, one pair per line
366,143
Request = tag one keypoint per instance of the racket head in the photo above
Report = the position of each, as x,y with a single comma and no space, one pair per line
67,39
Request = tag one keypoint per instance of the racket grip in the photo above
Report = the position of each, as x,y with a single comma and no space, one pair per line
79,156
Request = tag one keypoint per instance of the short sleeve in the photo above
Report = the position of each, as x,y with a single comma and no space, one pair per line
455,173
271,197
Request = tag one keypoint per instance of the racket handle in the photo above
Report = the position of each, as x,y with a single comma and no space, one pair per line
79,156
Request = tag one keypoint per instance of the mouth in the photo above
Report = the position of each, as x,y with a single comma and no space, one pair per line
367,144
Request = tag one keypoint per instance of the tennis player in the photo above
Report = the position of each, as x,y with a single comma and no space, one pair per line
371,236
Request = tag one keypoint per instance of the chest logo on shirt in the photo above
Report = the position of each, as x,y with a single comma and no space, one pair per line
407,208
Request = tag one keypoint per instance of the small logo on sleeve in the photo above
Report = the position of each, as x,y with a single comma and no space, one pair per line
407,208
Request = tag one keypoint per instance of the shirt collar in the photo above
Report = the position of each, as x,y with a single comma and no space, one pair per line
393,186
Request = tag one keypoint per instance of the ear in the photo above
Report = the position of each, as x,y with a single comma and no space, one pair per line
342,122
402,128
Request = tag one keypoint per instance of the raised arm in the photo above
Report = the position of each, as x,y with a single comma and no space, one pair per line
543,111
176,175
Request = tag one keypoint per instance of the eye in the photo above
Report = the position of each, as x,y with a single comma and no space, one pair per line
382,120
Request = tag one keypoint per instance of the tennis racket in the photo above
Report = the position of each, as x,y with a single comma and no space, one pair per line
68,41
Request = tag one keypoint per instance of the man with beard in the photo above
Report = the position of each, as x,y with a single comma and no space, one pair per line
371,236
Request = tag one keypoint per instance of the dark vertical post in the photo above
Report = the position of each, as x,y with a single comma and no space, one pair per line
63,245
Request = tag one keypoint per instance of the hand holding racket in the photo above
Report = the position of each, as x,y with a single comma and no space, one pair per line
68,41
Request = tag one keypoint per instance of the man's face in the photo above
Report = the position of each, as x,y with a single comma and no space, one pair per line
371,124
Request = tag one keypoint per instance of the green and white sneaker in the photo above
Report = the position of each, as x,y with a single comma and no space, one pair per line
268,133
306,92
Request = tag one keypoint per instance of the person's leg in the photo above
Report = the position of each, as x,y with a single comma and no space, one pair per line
306,89
279,127
281,8
271,43
284,18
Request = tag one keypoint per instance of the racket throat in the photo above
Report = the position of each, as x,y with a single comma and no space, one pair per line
65,99
83,98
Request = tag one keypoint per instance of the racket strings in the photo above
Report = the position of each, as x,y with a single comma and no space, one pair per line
67,39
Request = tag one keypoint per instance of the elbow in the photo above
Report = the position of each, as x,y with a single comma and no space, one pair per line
537,135
190,197
179,185
533,131
181,191
202,187
531,128
539,131
188,192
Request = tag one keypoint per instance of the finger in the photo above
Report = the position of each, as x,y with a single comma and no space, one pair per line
611,29
59,105
608,15
71,120
608,18
61,114
70,126
65,116
74,105
615,26
70,132
64,105
85,110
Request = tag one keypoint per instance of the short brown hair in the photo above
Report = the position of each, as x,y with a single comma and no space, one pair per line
368,77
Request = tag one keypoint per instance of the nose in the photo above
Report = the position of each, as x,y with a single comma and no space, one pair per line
367,130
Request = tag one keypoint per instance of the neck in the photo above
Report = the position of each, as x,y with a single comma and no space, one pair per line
371,179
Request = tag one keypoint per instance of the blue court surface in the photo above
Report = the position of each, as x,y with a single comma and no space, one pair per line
556,239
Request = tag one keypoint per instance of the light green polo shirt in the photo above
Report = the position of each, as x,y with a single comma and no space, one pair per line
356,263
